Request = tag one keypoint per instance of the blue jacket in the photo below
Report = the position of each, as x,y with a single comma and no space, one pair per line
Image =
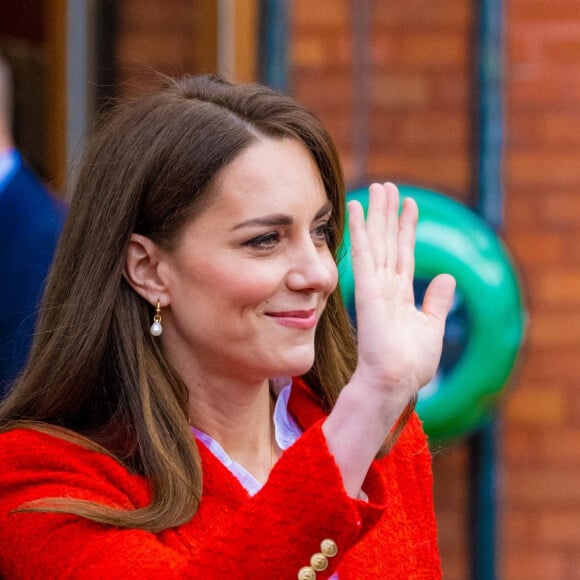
31,224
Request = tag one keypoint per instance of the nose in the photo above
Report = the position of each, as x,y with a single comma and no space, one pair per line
313,269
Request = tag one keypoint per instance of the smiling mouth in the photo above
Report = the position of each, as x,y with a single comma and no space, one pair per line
303,319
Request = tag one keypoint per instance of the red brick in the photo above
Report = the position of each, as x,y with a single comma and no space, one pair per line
436,171
384,129
314,51
168,47
562,446
538,89
520,444
450,473
452,90
521,46
546,129
564,49
536,406
543,10
560,210
422,14
402,90
451,523
575,404
152,14
450,469
532,564
517,528
548,169
558,287
555,329
349,169
572,565
553,211
308,50
541,445
383,50
434,51
334,14
520,217
342,50
434,130
540,364
453,567
535,248
559,528
545,487
340,126
323,91
545,44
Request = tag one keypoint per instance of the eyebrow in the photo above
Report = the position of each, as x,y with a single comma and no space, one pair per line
280,219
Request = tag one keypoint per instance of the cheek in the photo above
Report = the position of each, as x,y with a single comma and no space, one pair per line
223,277
245,286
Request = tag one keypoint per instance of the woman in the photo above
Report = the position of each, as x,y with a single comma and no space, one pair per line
155,432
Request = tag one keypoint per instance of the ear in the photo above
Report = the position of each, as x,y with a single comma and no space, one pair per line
142,270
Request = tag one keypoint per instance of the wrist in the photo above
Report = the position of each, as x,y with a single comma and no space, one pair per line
355,431
384,396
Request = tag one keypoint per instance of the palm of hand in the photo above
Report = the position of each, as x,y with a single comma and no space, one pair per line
399,345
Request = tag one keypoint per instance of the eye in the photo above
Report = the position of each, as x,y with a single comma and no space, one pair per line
265,241
322,232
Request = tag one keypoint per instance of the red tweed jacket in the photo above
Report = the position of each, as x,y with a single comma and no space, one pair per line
268,536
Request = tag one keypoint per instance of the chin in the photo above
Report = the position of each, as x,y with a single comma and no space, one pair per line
287,362
297,367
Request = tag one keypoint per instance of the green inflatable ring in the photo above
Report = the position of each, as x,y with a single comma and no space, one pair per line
453,239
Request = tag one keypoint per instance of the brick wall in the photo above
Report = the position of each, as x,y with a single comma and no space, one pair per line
174,38
541,446
418,87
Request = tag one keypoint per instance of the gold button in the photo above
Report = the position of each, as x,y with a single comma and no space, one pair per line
306,573
329,548
319,562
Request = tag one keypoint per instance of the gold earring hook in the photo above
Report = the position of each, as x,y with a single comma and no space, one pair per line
157,317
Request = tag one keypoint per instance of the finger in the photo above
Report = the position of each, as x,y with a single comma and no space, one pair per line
376,223
392,234
439,296
362,260
407,233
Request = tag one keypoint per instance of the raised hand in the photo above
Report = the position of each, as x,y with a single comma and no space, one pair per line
399,345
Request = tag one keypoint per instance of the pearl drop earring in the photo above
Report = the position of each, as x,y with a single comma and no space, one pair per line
156,328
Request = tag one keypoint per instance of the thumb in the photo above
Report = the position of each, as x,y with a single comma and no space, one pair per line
439,296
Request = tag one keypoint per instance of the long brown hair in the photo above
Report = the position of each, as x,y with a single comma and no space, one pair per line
95,375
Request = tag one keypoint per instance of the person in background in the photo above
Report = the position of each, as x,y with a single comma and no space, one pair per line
195,404
31,223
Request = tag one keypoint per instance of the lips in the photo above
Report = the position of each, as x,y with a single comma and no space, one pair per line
303,319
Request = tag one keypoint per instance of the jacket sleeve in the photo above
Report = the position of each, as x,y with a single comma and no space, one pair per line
270,535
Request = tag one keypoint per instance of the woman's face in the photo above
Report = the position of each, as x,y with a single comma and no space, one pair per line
251,275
